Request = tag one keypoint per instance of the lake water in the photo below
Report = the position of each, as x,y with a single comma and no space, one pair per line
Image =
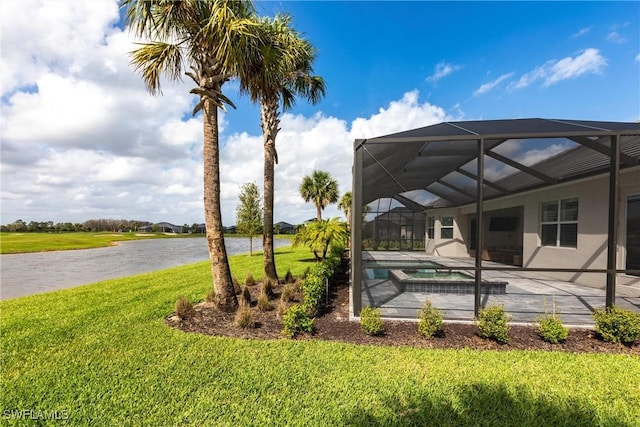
27,274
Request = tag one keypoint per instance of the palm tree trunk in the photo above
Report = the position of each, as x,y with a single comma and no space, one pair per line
269,122
225,296
318,213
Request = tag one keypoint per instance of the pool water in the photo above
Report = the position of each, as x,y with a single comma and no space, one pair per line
433,274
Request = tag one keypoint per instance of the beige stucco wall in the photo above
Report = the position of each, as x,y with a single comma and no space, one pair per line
593,208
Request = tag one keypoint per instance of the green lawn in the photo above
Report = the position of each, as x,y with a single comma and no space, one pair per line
101,355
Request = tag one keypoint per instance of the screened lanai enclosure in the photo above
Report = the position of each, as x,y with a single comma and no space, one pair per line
533,214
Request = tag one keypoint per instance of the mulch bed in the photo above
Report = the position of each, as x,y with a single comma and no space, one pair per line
333,324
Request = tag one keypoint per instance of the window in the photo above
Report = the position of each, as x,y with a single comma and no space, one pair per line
446,227
431,226
559,225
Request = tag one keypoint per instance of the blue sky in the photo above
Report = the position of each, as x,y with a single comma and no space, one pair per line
82,139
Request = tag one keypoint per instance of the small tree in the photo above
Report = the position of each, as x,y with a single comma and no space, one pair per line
249,213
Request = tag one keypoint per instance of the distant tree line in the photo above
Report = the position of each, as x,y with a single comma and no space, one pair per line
92,225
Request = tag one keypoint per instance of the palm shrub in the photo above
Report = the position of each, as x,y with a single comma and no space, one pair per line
617,324
493,323
320,236
296,320
429,320
371,322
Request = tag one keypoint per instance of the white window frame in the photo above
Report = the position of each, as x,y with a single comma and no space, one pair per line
558,222
431,227
447,227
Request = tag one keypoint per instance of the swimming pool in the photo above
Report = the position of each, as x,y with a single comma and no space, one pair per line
427,276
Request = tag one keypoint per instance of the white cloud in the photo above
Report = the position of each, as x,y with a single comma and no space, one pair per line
616,37
589,61
638,57
486,87
443,69
581,32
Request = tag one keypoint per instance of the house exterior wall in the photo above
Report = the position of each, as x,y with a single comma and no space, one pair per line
591,251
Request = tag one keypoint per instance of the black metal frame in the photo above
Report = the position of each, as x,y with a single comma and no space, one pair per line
580,137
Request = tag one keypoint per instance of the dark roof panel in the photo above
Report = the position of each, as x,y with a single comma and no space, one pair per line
419,159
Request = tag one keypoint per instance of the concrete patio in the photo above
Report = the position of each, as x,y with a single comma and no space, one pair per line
528,294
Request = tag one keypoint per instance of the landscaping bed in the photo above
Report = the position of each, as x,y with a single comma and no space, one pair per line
333,324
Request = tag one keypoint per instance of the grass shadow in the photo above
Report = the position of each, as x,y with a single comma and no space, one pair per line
479,404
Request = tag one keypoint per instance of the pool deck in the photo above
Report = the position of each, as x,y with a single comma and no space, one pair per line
528,294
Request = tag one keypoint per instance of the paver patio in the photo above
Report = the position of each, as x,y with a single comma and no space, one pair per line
528,294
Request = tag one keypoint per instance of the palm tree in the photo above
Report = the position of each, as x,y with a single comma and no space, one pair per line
345,206
321,189
214,39
284,72
319,236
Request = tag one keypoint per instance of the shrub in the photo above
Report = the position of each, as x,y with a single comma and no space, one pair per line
263,302
211,296
370,321
244,317
249,280
246,295
288,278
267,287
313,292
430,320
493,323
287,293
184,308
551,329
295,320
617,324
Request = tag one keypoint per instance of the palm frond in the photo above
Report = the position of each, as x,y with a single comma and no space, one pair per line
154,59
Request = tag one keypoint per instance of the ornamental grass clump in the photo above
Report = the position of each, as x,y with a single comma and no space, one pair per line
249,280
430,320
211,296
493,323
267,287
617,324
263,302
236,286
371,322
184,309
246,295
244,317
288,278
287,293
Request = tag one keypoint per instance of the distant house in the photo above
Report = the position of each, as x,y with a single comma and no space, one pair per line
284,227
232,229
163,227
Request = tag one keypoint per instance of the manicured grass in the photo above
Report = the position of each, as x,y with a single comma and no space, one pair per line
13,243
101,355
